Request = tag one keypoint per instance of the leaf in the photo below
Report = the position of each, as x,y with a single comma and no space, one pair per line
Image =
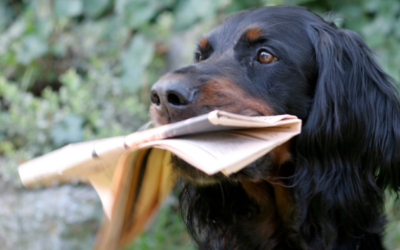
94,8
68,131
71,80
4,16
189,12
43,27
139,12
134,61
131,80
397,29
376,32
140,52
16,30
68,8
32,47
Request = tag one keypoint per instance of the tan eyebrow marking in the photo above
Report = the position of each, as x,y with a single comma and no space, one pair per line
253,33
203,43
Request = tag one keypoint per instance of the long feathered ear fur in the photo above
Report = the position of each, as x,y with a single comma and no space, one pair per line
349,149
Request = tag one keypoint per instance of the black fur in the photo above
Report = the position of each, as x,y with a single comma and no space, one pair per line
346,156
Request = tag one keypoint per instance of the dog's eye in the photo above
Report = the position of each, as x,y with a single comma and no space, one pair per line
266,57
198,57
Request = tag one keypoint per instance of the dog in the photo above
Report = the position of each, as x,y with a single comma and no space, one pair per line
324,189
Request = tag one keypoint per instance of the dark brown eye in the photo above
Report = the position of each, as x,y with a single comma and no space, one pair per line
266,57
198,57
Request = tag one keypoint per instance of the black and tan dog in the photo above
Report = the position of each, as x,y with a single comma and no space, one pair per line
325,188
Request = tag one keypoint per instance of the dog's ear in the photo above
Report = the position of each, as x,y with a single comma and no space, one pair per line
349,148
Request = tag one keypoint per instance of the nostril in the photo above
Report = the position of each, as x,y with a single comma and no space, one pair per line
176,98
155,98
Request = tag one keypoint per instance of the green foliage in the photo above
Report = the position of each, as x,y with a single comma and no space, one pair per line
79,70
392,237
134,61
189,12
82,69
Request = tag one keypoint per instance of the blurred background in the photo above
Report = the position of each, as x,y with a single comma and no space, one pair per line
74,70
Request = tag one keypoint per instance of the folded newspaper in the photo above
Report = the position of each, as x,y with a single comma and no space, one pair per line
132,174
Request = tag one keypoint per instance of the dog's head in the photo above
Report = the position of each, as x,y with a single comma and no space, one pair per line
257,62
287,60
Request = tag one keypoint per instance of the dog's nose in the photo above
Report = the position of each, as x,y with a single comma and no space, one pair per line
171,92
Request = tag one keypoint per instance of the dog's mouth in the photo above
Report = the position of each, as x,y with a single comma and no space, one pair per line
182,94
190,173
193,175
253,172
